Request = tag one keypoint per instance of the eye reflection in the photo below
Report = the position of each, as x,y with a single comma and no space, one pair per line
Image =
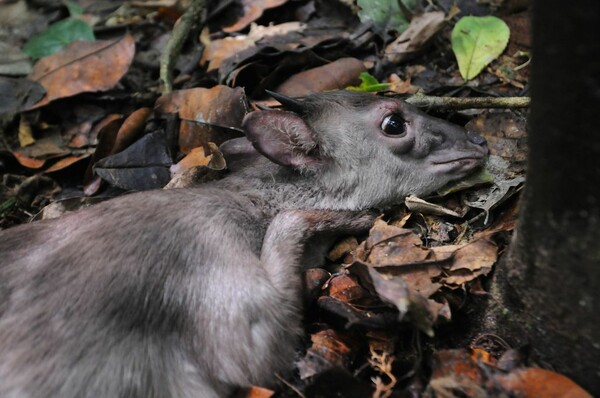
394,125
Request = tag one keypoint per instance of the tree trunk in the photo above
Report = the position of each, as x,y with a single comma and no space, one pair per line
547,293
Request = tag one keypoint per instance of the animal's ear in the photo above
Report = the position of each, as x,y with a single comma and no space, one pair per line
283,137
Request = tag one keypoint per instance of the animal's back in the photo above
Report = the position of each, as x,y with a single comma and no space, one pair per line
113,310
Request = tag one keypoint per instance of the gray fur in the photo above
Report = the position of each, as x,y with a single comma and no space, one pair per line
192,292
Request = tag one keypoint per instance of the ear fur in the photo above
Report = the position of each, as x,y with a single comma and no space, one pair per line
283,137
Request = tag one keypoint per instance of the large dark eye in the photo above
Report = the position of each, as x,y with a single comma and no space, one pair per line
394,125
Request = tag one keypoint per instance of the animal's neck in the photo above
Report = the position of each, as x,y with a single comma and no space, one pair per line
278,188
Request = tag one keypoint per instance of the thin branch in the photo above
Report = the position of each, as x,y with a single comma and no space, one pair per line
175,43
451,103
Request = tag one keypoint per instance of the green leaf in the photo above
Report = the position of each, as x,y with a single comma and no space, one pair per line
385,15
58,36
369,84
74,8
483,176
477,41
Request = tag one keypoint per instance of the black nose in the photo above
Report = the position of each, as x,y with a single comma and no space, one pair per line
476,139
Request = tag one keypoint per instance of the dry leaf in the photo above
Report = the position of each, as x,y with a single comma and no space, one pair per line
218,50
422,28
333,76
83,66
253,9
536,382
201,110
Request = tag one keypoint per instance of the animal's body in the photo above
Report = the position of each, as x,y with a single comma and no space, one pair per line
192,292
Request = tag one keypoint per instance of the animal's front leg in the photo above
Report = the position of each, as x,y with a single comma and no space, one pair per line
284,246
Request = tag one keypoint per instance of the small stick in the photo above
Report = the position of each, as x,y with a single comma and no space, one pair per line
452,103
173,48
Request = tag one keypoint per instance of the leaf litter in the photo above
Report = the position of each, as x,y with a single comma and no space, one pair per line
385,300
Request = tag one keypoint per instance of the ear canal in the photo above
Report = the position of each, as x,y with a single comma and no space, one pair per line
283,137
291,104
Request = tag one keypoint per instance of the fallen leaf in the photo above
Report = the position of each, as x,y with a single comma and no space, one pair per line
385,15
208,115
327,350
477,41
219,50
536,382
333,76
66,162
57,36
25,134
422,28
253,9
13,62
18,94
27,161
83,67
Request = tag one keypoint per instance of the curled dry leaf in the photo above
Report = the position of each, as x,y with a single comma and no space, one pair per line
201,110
335,75
213,158
83,67
66,162
422,28
253,9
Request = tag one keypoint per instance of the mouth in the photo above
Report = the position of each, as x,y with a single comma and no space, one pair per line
462,166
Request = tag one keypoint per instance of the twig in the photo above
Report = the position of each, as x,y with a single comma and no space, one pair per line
175,43
451,103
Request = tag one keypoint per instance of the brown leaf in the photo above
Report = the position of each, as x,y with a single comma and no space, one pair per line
253,9
335,75
327,350
422,28
259,392
83,66
221,49
131,129
66,162
536,382
106,131
345,288
27,161
203,109
199,157
468,261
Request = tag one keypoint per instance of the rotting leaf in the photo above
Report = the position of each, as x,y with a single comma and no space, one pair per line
477,41
83,67
58,36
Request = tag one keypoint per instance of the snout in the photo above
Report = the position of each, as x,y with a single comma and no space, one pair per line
468,152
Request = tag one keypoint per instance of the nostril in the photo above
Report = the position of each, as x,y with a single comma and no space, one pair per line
475,139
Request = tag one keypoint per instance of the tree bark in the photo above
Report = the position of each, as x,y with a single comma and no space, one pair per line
547,291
